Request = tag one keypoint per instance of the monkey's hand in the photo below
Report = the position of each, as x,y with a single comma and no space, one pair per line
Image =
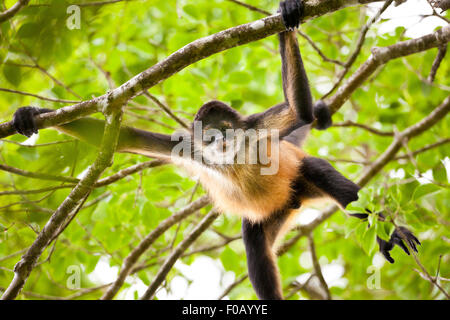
23,120
397,237
291,13
322,114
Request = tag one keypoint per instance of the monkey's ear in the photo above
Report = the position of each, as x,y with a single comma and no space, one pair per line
298,136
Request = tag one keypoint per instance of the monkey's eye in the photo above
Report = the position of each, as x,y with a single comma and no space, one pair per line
225,125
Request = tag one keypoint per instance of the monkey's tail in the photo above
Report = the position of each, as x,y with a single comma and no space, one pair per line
322,114
262,268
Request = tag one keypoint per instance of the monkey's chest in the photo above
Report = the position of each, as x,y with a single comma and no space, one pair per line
247,193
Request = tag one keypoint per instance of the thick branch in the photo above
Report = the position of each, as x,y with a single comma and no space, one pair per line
381,55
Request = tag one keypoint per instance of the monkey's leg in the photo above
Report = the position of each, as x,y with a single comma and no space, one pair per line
322,175
261,261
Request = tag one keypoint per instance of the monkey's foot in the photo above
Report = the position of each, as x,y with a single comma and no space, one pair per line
291,12
397,239
23,120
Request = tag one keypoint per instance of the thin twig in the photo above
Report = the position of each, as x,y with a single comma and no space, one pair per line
362,37
39,97
350,123
138,251
177,252
317,269
437,62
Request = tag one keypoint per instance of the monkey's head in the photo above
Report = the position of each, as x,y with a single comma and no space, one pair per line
214,128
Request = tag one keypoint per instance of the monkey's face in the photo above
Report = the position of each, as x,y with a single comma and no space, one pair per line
215,132
219,141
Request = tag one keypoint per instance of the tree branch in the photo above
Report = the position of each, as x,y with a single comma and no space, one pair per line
36,175
8,14
442,4
316,265
170,261
362,37
380,56
437,62
349,123
38,96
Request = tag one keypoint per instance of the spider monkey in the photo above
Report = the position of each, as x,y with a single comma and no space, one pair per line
267,203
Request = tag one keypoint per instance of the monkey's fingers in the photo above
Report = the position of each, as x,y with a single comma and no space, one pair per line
410,237
285,15
291,12
387,256
401,244
385,247
359,215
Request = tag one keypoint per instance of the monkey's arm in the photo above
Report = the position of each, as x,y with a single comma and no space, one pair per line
333,184
295,81
90,130
298,110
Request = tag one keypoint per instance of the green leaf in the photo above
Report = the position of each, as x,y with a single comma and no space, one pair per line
13,74
360,231
369,240
101,212
382,230
424,190
351,224
29,30
30,154
230,259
